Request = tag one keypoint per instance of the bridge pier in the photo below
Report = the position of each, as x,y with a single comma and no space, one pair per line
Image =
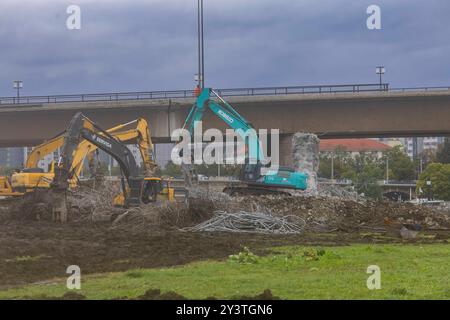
286,156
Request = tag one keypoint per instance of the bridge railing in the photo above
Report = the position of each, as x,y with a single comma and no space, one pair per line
120,96
95,97
303,90
420,89
175,94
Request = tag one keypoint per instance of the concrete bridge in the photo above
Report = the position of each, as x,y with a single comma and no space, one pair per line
353,113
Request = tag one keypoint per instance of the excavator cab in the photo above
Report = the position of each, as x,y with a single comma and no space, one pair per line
167,191
29,179
6,189
157,189
153,189
150,189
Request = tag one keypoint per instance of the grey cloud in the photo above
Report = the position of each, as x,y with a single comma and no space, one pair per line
151,45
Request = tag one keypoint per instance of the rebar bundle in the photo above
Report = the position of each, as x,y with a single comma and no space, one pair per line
250,222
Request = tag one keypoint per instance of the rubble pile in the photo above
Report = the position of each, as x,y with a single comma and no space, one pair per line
332,190
95,204
325,213
198,207
154,217
335,208
446,207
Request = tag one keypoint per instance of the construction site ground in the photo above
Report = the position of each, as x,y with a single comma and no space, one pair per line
39,251
39,254
32,252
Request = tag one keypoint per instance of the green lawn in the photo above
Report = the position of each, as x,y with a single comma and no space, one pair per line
407,272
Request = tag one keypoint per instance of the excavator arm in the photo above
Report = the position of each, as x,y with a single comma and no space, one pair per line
83,128
284,178
39,152
255,155
139,135
228,115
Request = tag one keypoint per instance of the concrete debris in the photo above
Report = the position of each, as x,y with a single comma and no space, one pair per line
408,234
305,150
336,191
206,201
445,206
332,213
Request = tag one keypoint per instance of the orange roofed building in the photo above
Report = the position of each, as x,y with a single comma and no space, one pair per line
354,146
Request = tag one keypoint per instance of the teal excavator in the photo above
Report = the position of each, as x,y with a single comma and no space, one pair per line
257,178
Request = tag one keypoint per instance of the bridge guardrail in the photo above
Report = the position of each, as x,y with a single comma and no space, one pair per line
419,89
174,94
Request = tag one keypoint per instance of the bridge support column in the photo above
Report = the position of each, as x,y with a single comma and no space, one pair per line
286,156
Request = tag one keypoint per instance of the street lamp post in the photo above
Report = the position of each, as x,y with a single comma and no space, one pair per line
430,190
380,71
387,169
200,77
18,84
332,167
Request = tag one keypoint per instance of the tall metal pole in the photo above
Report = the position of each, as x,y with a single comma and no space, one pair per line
199,46
201,49
387,169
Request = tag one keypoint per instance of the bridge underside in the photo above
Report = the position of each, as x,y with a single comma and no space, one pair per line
379,114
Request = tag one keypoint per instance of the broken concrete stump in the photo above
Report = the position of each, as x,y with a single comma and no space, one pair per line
305,151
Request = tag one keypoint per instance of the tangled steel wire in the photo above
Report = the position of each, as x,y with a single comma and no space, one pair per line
250,222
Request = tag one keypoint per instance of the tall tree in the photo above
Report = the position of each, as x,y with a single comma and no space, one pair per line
401,167
439,176
367,181
172,170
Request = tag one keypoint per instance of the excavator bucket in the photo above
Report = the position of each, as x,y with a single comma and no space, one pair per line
59,206
42,204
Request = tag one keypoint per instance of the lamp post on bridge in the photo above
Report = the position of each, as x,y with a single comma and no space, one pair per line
18,84
381,70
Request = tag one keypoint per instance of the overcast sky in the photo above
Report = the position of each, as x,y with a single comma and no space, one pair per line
140,45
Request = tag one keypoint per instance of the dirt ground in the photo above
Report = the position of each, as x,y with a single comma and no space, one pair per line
98,240
33,251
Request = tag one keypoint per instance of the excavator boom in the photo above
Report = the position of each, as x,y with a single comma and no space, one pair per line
81,128
32,177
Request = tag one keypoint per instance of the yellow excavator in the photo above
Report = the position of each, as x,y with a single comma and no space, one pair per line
32,178
136,188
